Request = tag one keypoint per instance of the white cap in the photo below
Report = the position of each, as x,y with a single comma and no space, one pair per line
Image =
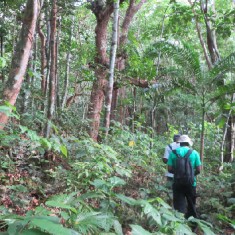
185,139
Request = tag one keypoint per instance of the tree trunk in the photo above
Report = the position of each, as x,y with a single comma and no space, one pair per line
2,37
99,86
68,58
20,57
97,96
52,82
230,135
122,108
57,101
48,51
232,138
27,87
114,103
203,131
109,92
121,58
211,37
209,64
43,56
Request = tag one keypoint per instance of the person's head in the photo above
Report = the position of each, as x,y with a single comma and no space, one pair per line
176,137
184,140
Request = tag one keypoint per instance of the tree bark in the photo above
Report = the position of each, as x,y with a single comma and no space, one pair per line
58,99
209,64
2,37
203,130
103,14
43,57
20,57
68,58
27,83
229,135
48,50
99,86
232,138
52,82
121,58
109,92
211,37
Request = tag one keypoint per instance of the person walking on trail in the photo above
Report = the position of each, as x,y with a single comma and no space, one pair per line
168,150
185,163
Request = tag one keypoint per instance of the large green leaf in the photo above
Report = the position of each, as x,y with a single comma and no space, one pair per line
116,181
117,227
59,205
33,232
183,229
51,228
128,200
138,230
205,226
150,211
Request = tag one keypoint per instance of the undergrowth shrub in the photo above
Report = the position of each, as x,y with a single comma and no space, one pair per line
119,182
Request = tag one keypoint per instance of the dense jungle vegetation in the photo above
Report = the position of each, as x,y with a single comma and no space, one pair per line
91,93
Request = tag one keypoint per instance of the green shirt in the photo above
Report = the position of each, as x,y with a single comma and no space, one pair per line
194,158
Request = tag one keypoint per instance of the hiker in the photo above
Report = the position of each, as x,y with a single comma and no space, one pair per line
185,164
168,150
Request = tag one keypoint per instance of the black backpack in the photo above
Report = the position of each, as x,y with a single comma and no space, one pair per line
183,171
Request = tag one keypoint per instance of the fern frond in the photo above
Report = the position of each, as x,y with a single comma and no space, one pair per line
183,54
223,66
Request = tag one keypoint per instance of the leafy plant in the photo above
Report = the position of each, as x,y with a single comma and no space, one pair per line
162,219
78,215
34,224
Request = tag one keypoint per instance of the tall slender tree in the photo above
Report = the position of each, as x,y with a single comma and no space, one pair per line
52,81
68,59
20,57
109,92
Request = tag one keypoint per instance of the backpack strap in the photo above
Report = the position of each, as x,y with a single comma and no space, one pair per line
174,151
186,155
170,146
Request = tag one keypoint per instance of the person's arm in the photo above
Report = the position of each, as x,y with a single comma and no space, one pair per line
198,170
198,164
170,169
170,163
166,155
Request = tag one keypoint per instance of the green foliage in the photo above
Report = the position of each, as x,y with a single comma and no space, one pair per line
82,217
138,230
103,173
34,224
162,217
2,62
180,15
9,110
92,161
226,220
54,143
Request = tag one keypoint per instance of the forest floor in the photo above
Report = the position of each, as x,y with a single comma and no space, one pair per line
27,182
